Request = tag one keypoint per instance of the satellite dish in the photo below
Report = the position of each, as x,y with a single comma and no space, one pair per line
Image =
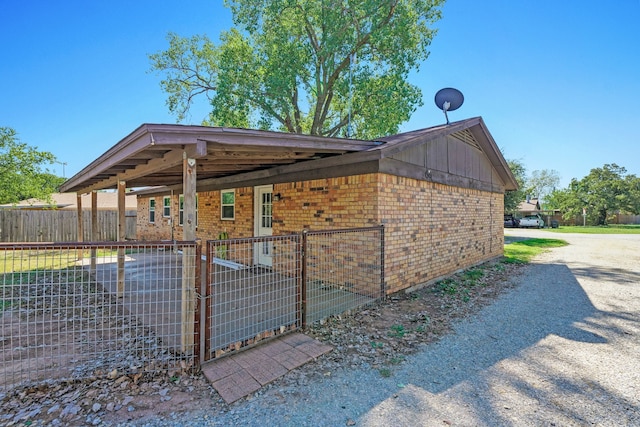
449,99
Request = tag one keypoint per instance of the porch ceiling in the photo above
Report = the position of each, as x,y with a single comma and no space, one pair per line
152,155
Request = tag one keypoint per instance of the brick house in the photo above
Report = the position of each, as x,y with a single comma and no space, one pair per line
438,191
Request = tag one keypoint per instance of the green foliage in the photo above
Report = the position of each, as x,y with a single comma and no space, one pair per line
385,372
604,192
447,286
305,66
397,360
460,285
397,331
22,175
473,274
513,198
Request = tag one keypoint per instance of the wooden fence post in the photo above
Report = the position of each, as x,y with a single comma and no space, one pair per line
94,227
80,236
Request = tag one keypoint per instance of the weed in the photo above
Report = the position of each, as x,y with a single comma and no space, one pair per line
4,304
447,286
466,297
385,372
473,274
377,344
397,360
397,331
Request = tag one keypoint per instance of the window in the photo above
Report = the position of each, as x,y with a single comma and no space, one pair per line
227,204
152,210
181,210
166,207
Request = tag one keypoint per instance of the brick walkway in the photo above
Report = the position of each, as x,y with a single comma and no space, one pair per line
239,375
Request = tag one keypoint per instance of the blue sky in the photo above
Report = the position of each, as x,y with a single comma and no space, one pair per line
557,82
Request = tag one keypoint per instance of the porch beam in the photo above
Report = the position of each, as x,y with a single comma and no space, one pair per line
169,160
80,224
94,227
188,254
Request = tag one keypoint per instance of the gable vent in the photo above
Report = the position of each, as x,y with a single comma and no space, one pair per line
467,137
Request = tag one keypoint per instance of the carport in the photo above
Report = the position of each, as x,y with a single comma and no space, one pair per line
189,159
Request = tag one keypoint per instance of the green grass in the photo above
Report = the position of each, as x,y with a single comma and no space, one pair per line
524,250
24,261
604,229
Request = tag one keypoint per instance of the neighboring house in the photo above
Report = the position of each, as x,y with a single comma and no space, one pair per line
528,207
438,191
69,201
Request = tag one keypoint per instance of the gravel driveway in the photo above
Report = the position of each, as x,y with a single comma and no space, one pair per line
563,348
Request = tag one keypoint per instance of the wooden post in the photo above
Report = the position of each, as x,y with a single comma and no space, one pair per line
80,236
122,187
94,227
188,254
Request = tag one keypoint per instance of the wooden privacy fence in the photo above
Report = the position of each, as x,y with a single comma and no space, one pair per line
20,225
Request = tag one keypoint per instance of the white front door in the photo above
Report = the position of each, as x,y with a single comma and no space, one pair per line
263,219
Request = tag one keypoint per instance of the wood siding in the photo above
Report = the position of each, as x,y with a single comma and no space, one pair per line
450,160
60,225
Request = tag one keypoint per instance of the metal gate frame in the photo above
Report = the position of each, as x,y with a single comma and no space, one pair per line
331,265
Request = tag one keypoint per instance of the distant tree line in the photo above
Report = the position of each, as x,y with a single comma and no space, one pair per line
603,193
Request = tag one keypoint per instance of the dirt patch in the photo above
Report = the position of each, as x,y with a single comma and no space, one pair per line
378,337
382,335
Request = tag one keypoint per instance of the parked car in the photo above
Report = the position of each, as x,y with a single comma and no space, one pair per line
511,221
532,221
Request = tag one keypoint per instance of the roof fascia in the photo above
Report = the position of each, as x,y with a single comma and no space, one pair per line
494,154
143,137
148,135
131,144
344,165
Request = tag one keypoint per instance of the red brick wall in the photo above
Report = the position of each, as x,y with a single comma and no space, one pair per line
431,230
209,223
325,204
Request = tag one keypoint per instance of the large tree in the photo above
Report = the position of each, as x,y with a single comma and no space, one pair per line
321,67
542,182
22,171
